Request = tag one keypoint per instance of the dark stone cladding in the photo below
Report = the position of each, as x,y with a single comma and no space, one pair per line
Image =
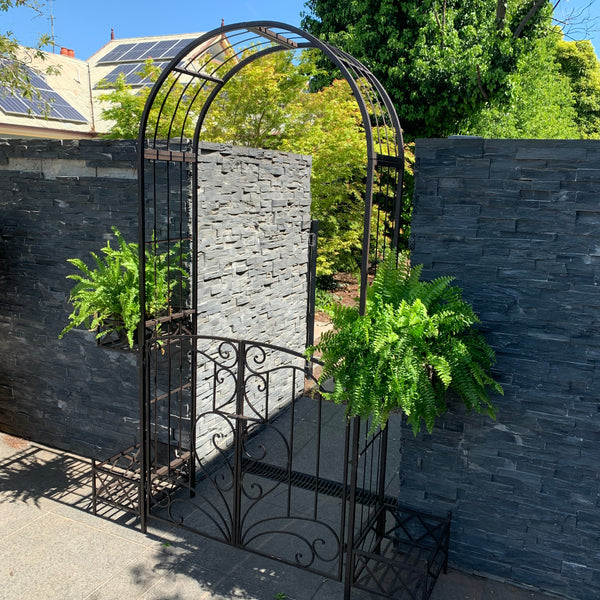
59,200
517,223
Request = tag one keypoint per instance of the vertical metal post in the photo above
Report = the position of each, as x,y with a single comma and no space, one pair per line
193,360
380,527
145,478
311,282
194,305
141,333
366,244
238,444
352,509
94,490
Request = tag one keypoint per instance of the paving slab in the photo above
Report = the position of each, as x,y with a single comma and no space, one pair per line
56,557
54,548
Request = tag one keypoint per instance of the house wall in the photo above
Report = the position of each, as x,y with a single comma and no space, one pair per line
59,200
517,223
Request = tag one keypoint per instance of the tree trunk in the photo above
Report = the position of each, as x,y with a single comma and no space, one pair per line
537,5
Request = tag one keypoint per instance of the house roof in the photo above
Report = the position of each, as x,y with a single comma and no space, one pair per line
64,105
72,108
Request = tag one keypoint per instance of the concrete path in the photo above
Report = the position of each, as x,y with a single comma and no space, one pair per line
54,548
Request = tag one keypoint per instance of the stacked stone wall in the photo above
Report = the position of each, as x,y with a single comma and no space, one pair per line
518,224
253,260
59,200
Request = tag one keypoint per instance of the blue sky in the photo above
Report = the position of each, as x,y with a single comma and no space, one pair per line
84,25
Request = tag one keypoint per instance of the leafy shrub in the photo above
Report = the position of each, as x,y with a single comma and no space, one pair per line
107,297
417,341
323,299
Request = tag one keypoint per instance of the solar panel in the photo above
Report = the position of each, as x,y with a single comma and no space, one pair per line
131,72
140,51
116,53
68,113
134,78
49,104
10,104
125,69
180,45
163,49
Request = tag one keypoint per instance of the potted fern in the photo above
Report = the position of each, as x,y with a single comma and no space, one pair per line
106,298
417,341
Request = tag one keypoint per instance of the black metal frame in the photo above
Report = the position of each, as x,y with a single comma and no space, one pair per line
229,471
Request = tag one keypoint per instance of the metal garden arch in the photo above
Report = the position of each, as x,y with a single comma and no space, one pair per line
227,489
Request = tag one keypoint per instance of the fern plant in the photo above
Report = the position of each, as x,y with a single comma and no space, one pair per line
107,297
416,341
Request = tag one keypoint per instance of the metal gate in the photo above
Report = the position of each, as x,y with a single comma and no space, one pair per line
261,455
248,453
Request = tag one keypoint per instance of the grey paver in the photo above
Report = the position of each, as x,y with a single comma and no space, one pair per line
53,548
56,557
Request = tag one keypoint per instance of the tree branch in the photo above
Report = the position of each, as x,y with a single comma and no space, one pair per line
437,18
442,24
500,14
532,12
480,84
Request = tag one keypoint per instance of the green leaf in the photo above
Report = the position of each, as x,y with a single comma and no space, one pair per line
110,291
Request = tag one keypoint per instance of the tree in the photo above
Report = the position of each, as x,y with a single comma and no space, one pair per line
441,61
267,105
540,103
579,63
17,60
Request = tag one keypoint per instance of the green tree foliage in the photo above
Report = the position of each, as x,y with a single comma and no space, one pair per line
441,61
416,341
260,102
16,60
328,126
579,63
540,101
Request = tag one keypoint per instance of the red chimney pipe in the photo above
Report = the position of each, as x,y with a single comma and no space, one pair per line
71,53
64,52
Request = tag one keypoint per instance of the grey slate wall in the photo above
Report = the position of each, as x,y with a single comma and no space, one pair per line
58,200
253,244
518,224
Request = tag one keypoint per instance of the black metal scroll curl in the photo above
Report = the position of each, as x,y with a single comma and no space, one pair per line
315,554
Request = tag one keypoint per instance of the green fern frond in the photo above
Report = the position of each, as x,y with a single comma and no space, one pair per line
416,341
111,289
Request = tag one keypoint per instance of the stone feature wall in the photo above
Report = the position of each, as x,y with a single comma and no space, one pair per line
253,247
518,224
58,200
253,232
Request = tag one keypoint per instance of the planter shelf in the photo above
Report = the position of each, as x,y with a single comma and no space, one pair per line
115,337
401,552
116,481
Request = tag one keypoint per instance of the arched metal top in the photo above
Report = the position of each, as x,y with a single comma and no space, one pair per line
171,125
215,57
